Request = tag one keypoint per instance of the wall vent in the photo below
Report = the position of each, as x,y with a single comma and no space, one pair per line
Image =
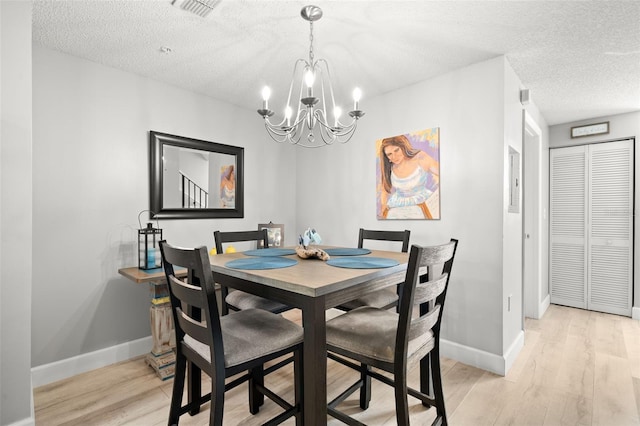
525,96
198,7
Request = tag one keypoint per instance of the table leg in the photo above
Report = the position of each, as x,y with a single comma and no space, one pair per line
315,362
162,357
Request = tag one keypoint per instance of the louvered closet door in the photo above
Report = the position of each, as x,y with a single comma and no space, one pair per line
611,227
592,227
568,217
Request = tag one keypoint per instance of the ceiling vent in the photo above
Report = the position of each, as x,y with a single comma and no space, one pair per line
198,7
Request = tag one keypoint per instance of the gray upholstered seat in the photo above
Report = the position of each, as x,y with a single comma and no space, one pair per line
250,334
371,332
387,297
239,300
381,299
396,342
226,346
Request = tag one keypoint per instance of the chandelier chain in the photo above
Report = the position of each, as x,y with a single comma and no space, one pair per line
311,43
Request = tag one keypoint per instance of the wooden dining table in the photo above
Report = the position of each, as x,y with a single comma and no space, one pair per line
313,286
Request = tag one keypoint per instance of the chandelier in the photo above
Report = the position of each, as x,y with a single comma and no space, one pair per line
316,112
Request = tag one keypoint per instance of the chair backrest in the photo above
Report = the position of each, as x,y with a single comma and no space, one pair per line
369,234
240,236
425,285
193,298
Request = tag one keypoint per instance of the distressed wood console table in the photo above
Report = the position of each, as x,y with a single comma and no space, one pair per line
162,357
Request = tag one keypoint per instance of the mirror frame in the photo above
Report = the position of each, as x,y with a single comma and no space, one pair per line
157,141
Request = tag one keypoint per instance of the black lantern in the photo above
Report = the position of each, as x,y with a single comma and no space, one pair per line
149,247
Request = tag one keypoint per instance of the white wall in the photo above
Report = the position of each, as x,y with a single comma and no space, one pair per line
16,403
512,226
621,126
91,179
336,189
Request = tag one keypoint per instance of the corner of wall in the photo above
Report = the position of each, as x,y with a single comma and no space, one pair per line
474,357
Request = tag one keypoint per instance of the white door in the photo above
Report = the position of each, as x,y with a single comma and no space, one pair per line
592,226
611,227
568,216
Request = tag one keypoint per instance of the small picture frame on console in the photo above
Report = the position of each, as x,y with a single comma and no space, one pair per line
275,232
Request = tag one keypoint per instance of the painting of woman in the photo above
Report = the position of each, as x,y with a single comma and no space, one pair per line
409,176
228,187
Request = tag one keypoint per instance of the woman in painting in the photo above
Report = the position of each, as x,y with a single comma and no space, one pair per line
228,188
409,177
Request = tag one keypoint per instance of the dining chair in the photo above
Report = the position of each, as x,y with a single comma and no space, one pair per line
222,347
239,300
385,298
396,342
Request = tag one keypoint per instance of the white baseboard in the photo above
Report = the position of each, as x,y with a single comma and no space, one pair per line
544,305
635,313
480,359
512,353
49,373
24,422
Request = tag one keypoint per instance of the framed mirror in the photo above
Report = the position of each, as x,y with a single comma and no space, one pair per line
195,179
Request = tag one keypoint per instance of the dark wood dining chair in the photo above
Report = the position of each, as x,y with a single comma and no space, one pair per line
225,346
239,300
385,298
396,342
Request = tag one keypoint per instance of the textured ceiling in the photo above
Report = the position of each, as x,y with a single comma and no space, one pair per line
580,59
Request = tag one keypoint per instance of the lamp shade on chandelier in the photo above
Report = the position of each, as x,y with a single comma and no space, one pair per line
316,120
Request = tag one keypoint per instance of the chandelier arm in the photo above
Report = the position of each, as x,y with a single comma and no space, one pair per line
293,79
344,137
300,112
326,132
302,116
290,137
280,138
331,134
341,129
269,123
326,66
281,129
322,92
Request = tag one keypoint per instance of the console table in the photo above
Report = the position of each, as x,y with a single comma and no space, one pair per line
162,357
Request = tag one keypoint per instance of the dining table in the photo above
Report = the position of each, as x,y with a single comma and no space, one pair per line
313,286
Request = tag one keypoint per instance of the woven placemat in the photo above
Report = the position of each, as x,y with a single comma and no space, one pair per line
363,262
346,251
270,252
272,262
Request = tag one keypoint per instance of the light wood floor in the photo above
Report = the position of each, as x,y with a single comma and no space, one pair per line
577,368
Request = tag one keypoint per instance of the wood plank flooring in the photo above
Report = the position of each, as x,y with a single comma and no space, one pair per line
577,368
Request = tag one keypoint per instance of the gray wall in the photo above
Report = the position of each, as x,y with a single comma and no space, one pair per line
621,126
91,157
15,212
469,107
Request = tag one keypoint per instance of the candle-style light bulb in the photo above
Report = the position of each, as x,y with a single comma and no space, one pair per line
287,114
266,93
357,94
309,79
337,112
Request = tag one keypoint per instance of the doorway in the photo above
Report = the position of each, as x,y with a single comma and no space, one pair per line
532,220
